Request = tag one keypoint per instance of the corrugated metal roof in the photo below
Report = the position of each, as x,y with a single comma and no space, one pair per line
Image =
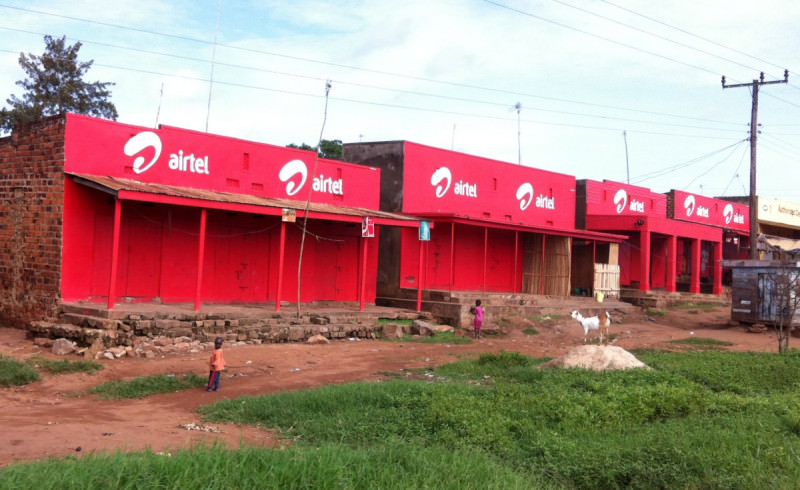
116,184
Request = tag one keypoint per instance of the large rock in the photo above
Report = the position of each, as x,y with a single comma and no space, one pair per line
422,328
393,331
596,357
318,339
62,347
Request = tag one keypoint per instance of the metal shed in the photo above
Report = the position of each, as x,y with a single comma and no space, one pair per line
756,294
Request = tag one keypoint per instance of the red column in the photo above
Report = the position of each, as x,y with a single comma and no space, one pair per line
694,282
419,276
717,268
644,260
452,256
672,263
281,252
485,254
114,253
201,246
363,284
516,254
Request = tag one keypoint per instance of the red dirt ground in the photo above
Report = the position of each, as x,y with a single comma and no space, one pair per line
53,418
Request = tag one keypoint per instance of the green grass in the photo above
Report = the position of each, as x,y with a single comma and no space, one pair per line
397,321
530,331
63,366
147,385
711,420
652,312
16,373
439,338
701,342
707,307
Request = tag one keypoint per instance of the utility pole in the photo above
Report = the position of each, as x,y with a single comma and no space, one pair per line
627,167
753,132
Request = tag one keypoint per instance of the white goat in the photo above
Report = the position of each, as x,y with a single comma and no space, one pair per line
593,323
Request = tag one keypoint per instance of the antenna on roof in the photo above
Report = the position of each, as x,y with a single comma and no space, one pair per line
518,107
213,62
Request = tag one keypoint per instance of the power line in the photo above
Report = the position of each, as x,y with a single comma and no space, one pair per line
663,171
375,87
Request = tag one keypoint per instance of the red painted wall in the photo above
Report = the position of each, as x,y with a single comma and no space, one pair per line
452,183
159,243
708,211
186,158
614,198
468,264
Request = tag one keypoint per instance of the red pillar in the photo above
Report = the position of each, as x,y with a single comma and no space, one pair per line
717,268
694,282
201,246
419,276
114,253
485,254
363,282
452,256
672,263
644,260
281,252
516,254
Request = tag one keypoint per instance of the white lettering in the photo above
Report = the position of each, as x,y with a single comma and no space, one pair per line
545,202
702,211
637,206
188,163
327,185
738,218
466,189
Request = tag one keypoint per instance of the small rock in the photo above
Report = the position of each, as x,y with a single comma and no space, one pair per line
62,347
109,355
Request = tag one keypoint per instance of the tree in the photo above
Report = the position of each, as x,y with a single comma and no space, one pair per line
54,85
330,149
785,285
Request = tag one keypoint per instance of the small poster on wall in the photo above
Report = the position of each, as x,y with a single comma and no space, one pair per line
367,227
424,231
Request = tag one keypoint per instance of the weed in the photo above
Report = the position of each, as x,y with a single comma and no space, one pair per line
16,373
147,385
63,366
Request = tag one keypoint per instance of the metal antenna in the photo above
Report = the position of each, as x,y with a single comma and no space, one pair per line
213,63
518,107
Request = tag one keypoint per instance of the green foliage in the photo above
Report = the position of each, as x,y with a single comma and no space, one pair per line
330,149
146,386
397,321
63,366
16,373
701,341
530,331
54,85
715,420
652,312
439,338
395,465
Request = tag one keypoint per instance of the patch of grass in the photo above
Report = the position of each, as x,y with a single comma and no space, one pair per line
396,321
701,341
62,366
546,318
530,331
707,307
652,312
439,338
16,373
146,386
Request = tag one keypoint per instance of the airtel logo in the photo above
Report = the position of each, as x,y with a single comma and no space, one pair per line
441,174
621,200
296,170
525,195
145,139
182,162
730,215
292,169
689,204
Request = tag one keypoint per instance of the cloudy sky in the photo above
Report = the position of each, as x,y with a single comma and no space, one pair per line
562,85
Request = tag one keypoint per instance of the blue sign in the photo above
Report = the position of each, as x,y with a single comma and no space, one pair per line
424,231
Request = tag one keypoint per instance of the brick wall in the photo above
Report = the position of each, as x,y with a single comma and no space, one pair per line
31,210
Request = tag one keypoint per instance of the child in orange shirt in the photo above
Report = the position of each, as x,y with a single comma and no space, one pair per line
217,364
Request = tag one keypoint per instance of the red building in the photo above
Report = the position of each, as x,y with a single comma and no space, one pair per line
494,226
107,212
661,253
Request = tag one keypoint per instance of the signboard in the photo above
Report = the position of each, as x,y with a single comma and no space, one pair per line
180,157
367,227
710,211
424,231
448,182
611,198
779,212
